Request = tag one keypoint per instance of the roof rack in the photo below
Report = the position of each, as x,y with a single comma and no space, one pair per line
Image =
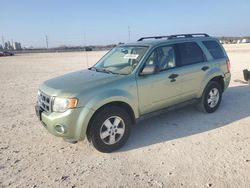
176,36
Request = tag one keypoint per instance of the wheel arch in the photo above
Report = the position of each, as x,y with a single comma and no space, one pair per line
217,77
121,104
220,80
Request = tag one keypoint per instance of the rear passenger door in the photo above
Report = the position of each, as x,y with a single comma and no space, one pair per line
194,67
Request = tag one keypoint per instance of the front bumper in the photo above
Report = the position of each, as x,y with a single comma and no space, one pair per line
70,125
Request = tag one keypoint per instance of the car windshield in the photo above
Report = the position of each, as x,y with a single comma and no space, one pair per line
120,60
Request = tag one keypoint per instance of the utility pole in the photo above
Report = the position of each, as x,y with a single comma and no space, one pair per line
129,33
47,41
86,53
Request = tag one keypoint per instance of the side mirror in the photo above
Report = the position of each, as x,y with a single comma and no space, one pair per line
150,69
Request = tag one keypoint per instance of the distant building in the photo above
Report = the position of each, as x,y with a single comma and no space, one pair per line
245,41
6,46
10,47
17,46
1,47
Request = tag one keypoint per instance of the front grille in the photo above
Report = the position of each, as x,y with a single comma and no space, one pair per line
44,101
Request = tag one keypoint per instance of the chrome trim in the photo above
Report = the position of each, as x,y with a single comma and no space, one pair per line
45,101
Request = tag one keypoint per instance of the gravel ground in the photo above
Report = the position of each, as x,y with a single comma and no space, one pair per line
182,148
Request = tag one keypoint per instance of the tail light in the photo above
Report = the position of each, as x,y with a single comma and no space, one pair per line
228,65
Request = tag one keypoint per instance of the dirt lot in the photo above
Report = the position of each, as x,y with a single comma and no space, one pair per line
183,148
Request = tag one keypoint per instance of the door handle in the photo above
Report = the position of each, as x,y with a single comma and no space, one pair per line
204,68
173,76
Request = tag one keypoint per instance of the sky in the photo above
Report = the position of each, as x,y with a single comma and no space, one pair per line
94,22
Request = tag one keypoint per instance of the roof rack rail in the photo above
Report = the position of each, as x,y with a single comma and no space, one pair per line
154,37
188,35
176,36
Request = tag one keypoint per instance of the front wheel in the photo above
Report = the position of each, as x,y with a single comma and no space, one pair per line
110,129
211,97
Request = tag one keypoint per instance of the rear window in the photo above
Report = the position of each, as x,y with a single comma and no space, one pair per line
190,53
214,49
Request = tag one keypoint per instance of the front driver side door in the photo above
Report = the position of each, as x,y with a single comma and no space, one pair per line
163,89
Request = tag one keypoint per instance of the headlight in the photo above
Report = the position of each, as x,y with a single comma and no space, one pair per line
62,104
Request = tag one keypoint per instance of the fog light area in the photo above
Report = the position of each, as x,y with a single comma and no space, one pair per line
60,129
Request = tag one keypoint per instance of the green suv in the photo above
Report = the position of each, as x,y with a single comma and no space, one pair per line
131,81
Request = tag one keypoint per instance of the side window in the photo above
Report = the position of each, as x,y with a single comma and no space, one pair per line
214,49
164,57
190,53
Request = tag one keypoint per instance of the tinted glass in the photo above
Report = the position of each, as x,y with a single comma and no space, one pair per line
164,57
214,49
190,53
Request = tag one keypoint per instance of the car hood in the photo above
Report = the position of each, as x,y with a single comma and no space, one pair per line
69,85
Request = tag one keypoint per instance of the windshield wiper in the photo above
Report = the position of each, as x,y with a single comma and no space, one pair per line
103,70
92,68
97,69
109,71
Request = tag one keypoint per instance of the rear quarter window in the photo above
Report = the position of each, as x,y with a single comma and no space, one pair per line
214,49
190,53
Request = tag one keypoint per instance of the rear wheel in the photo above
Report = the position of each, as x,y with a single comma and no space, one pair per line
211,97
110,129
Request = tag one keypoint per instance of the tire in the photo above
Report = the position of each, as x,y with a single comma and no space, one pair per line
210,101
110,129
